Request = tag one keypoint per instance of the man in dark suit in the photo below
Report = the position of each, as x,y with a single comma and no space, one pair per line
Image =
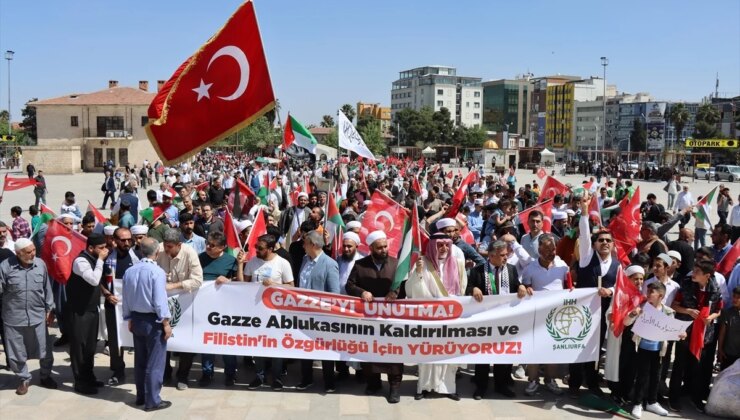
495,277
372,277
318,272
109,188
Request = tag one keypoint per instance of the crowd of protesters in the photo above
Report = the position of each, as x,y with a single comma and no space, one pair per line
175,241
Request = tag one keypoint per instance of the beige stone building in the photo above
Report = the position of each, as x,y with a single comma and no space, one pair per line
80,132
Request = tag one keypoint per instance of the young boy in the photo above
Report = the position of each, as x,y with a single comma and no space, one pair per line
729,332
648,356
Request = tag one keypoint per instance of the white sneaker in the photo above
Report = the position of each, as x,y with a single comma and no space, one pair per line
531,388
637,411
657,409
519,372
553,387
182,386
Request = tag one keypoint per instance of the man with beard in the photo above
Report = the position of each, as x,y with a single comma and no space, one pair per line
292,218
494,277
187,224
437,275
83,298
684,246
216,193
210,221
451,228
530,241
119,260
596,268
296,250
650,243
372,277
346,261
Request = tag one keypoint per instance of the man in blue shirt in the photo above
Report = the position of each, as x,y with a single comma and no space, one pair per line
148,315
187,224
475,219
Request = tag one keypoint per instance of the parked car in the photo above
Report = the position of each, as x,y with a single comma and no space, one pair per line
704,173
727,173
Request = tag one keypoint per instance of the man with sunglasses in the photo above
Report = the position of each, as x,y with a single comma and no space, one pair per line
596,268
118,261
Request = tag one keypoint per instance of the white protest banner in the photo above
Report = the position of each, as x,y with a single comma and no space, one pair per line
249,319
657,326
350,139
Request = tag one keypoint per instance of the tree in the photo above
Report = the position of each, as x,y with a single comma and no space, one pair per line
29,121
332,139
373,138
255,137
638,136
364,120
469,137
444,125
348,111
679,117
707,118
272,114
327,121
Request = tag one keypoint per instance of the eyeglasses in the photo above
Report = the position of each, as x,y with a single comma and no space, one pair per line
605,240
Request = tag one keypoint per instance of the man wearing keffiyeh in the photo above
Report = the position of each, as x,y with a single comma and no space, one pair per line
437,274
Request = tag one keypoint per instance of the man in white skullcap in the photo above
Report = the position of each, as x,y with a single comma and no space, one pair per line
350,242
372,277
108,234
354,226
26,312
139,232
292,217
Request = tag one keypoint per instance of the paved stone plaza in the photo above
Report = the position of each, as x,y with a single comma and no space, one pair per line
238,402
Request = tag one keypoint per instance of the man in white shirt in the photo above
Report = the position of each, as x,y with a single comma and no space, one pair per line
734,221
547,273
683,200
530,240
346,261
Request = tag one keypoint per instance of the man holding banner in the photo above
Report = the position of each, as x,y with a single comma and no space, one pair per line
372,277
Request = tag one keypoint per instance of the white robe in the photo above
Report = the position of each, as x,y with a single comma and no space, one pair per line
434,377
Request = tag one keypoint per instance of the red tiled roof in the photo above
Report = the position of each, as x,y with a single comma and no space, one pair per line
111,96
320,130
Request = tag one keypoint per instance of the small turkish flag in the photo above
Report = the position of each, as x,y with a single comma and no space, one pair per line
12,184
61,246
542,173
222,88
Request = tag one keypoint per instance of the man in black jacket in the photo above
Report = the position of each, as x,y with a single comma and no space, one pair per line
109,188
494,277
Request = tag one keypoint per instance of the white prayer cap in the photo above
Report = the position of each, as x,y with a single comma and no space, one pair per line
478,202
675,254
167,193
352,237
139,230
634,269
74,218
559,215
302,194
242,224
570,212
666,258
108,230
371,238
354,225
22,243
445,223
367,202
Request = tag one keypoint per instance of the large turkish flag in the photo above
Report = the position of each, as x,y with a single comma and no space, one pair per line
386,215
61,247
222,88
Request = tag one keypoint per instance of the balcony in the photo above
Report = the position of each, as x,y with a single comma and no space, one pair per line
109,134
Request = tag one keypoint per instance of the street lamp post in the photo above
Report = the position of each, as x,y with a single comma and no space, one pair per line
9,57
604,63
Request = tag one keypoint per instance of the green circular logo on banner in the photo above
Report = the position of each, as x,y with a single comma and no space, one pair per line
175,310
569,323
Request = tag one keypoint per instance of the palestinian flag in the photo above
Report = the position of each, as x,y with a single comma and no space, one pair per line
99,218
702,206
332,215
259,228
264,190
297,133
44,209
241,199
233,244
410,249
152,213
46,216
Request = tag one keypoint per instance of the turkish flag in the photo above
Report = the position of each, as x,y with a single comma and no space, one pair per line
626,298
698,330
541,173
61,246
386,215
99,218
416,186
12,184
625,227
552,188
594,212
202,186
222,88
258,229
461,192
449,175
545,208
727,263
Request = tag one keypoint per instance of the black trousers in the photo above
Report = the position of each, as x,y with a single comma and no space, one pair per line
117,365
647,363
501,376
183,367
83,340
372,372
327,370
627,366
589,370
695,374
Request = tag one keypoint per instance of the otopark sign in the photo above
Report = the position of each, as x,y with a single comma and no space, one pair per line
711,143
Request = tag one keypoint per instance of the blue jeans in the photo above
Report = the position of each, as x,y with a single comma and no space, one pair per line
207,361
700,238
260,365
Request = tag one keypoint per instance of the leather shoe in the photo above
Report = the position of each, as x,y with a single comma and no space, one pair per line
506,392
23,388
161,406
478,394
86,389
61,341
454,397
139,403
97,384
420,395
394,397
48,383
371,390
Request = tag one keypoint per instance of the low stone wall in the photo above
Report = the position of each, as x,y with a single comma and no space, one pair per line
54,159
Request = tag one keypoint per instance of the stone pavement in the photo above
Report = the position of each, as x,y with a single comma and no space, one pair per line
264,404
219,402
